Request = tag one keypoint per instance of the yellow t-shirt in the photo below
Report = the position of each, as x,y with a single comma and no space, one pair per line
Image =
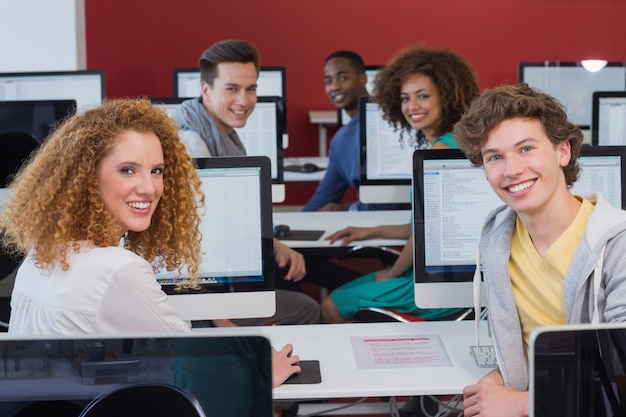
538,283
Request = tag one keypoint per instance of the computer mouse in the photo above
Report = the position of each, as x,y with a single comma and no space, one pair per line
308,167
281,230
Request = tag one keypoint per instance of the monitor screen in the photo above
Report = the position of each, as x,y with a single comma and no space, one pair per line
577,370
386,158
370,72
451,201
272,81
86,87
609,118
573,85
44,375
237,270
36,118
262,135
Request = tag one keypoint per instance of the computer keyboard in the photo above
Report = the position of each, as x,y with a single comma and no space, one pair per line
485,356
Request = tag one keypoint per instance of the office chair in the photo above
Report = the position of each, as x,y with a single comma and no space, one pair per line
145,399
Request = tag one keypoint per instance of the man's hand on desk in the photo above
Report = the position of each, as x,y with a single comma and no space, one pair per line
286,256
284,364
489,397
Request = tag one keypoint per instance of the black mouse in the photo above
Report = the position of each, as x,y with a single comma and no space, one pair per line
308,167
281,230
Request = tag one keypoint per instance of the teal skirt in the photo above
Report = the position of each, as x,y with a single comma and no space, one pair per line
396,294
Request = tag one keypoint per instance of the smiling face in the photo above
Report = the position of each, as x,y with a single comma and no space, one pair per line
421,105
525,168
344,85
232,97
130,179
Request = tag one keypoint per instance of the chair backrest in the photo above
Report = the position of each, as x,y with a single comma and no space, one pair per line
145,399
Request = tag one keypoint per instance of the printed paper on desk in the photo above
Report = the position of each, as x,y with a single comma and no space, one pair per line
376,352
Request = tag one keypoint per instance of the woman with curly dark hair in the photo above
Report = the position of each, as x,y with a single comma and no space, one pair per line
109,196
422,93
426,90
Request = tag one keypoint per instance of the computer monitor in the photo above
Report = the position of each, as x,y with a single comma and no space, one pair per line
573,85
262,135
370,72
46,374
237,270
386,158
451,201
578,370
608,125
86,87
272,82
36,118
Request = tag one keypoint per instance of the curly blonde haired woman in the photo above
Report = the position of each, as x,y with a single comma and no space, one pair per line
111,195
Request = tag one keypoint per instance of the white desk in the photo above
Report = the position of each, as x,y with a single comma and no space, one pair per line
328,343
332,221
331,345
322,118
320,161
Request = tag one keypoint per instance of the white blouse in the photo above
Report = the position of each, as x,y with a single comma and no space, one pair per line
107,290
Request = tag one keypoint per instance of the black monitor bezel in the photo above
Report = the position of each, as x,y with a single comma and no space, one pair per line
595,111
69,107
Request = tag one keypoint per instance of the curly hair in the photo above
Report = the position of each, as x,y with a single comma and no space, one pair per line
453,77
55,202
513,101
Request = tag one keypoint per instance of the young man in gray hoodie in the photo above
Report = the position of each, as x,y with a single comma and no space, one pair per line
540,252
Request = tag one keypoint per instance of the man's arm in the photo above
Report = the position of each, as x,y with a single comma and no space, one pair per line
330,189
490,398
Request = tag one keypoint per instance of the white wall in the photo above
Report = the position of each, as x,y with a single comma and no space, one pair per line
42,35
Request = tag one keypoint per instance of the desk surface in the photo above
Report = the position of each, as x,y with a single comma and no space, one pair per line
331,221
331,344
327,117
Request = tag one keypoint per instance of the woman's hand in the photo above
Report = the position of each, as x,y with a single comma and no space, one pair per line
350,234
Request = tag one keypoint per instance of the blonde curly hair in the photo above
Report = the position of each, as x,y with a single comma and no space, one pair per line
55,202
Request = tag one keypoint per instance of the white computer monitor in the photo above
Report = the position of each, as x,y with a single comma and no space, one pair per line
86,87
386,158
573,85
608,125
272,81
262,135
237,270
452,199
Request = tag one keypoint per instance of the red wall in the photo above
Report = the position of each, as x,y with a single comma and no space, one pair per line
139,42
